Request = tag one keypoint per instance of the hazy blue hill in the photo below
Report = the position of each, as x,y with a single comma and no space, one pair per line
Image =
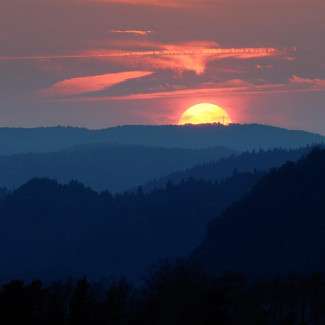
55,231
104,166
237,137
250,161
22,140
277,229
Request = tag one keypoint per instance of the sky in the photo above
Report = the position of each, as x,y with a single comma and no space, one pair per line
100,63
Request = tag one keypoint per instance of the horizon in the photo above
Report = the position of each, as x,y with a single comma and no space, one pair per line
160,125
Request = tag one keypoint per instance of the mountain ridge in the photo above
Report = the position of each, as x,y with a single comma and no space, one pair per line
238,137
276,229
104,165
52,231
248,161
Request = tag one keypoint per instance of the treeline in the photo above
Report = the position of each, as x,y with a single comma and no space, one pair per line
246,162
278,228
50,230
103,166
173,294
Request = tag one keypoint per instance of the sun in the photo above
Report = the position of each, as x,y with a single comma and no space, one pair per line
205,113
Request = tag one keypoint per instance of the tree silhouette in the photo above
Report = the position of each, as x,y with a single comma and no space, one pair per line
81,309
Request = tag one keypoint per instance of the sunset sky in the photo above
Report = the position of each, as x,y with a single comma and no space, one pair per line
99,63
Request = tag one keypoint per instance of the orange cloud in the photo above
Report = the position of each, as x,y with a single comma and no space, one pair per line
191,56
77,86
230,87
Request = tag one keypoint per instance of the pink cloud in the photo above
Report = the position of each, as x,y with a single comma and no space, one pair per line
191,56
313,84
135,32
160,3
230,87
88,84
204,3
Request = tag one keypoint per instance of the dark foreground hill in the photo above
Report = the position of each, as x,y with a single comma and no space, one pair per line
55,231
104,166
236,137
225,167
172,294
277,229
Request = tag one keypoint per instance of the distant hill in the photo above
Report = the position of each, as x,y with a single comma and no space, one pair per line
54,231
236,136
249,161
277,229
104,166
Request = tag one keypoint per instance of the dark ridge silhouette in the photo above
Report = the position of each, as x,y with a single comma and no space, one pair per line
261,160
54,231
173,294
236,136
104,166
278,228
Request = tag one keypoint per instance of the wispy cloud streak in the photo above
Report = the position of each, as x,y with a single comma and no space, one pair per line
88,84
135,32
240,53
193,56
159,3
295,84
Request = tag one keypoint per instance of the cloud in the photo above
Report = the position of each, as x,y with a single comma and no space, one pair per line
190,56
88,84
206,3
312,84
179,57
134,32
159,3
230,87
195,56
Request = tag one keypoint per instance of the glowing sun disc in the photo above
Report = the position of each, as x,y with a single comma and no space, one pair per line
205,113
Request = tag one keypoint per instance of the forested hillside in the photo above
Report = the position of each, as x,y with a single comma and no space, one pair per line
104,166
277,229
56,231
249,161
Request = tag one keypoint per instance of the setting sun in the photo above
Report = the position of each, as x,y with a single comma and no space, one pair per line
205,113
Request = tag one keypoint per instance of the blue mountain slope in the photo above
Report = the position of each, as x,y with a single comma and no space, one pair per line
236,137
